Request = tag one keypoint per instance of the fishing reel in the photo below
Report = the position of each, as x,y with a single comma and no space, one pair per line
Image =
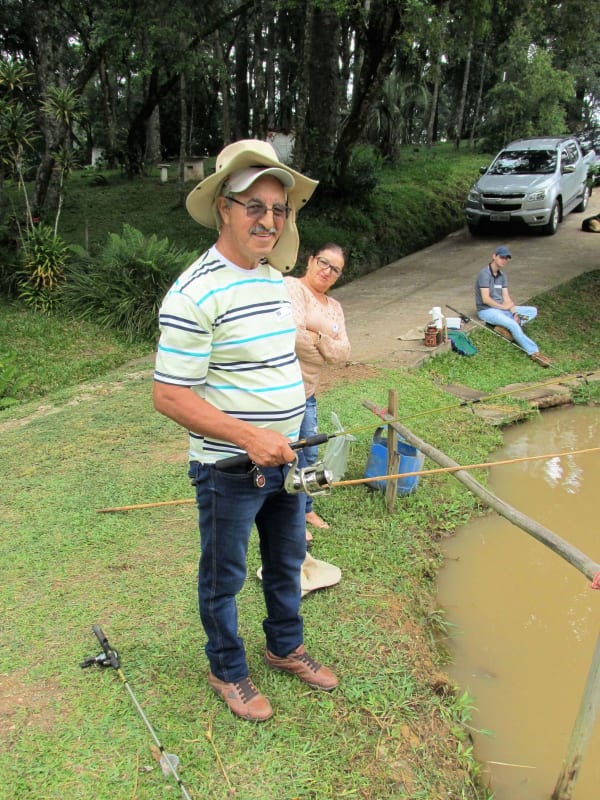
313,480
102,660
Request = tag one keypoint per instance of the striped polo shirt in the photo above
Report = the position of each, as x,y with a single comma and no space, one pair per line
228,334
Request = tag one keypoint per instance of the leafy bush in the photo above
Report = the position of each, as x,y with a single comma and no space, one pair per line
123,286
361,177
44,259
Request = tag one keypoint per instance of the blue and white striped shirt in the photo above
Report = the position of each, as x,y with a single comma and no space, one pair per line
228,334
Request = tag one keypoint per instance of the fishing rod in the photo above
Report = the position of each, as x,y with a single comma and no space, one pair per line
317,479
464,318
244,460
459,467
109,657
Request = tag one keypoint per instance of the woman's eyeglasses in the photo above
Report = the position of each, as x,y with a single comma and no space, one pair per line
325,264
256,210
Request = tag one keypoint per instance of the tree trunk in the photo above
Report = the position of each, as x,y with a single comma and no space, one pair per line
434,105
153,151
272,122
109,116
259,107
463,95
479,99
377,43
183,139
241,114
290,36
224,86
323,92
301,138
48,65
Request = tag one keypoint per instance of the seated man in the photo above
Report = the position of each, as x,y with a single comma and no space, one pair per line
496,307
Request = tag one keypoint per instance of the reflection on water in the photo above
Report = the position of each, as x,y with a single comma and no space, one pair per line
526,621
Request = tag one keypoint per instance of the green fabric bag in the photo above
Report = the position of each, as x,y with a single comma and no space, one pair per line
461,343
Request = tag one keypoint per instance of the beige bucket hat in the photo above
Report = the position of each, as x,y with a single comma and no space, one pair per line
236,158
315,574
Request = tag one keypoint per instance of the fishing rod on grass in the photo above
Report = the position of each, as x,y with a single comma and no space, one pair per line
109,657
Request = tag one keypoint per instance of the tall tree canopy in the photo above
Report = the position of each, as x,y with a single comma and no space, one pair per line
155,80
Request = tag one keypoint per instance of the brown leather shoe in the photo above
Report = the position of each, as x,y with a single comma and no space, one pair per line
243,698
543,361
299,663
504,332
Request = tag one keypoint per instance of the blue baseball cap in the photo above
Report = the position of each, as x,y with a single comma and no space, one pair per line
503,252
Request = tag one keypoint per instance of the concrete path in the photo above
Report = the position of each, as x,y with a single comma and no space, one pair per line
386,305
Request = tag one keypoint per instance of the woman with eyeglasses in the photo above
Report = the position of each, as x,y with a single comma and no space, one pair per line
321,341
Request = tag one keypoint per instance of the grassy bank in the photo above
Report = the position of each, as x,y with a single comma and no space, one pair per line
394,729
391,731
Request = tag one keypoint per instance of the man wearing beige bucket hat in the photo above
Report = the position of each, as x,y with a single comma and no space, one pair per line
227,372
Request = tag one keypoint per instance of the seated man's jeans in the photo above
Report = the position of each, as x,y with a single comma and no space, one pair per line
497,316
229,504
308,455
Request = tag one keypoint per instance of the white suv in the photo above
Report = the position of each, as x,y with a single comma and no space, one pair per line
536,181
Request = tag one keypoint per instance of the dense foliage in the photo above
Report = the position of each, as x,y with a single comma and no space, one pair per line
148,82
123,285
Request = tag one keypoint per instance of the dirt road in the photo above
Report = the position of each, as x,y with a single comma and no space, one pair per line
394,301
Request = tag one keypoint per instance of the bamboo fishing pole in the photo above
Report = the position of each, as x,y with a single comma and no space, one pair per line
393,476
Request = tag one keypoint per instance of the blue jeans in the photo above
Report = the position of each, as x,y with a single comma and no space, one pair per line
229,504
308,455
497,316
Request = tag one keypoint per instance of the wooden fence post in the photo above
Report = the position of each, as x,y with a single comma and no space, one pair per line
393,456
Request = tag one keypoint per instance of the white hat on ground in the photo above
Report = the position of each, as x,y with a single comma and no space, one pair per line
315,574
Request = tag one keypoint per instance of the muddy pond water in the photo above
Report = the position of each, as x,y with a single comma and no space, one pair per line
524,622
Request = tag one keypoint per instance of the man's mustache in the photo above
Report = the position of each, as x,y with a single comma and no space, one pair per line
261,229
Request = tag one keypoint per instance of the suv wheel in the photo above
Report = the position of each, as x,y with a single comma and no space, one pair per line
585,199
551,226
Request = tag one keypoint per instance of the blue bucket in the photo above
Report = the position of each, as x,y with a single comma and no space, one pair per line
411,460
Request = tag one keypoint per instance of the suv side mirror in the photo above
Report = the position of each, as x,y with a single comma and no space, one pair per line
483,170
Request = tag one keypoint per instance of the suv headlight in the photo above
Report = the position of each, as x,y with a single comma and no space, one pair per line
534,196
473,196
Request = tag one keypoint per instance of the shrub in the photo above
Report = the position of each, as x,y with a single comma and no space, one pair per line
44,259
361,177
123,286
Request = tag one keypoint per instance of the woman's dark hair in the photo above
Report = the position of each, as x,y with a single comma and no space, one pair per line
329,246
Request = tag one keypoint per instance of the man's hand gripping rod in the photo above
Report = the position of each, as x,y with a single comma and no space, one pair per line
314,479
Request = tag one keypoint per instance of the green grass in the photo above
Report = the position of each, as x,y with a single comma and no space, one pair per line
52,351
76,733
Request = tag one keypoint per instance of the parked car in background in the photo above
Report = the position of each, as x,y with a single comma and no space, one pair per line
534,181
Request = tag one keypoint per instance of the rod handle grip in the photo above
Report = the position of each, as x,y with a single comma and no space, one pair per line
243,460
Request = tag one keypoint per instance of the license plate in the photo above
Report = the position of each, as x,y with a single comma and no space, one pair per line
500,217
